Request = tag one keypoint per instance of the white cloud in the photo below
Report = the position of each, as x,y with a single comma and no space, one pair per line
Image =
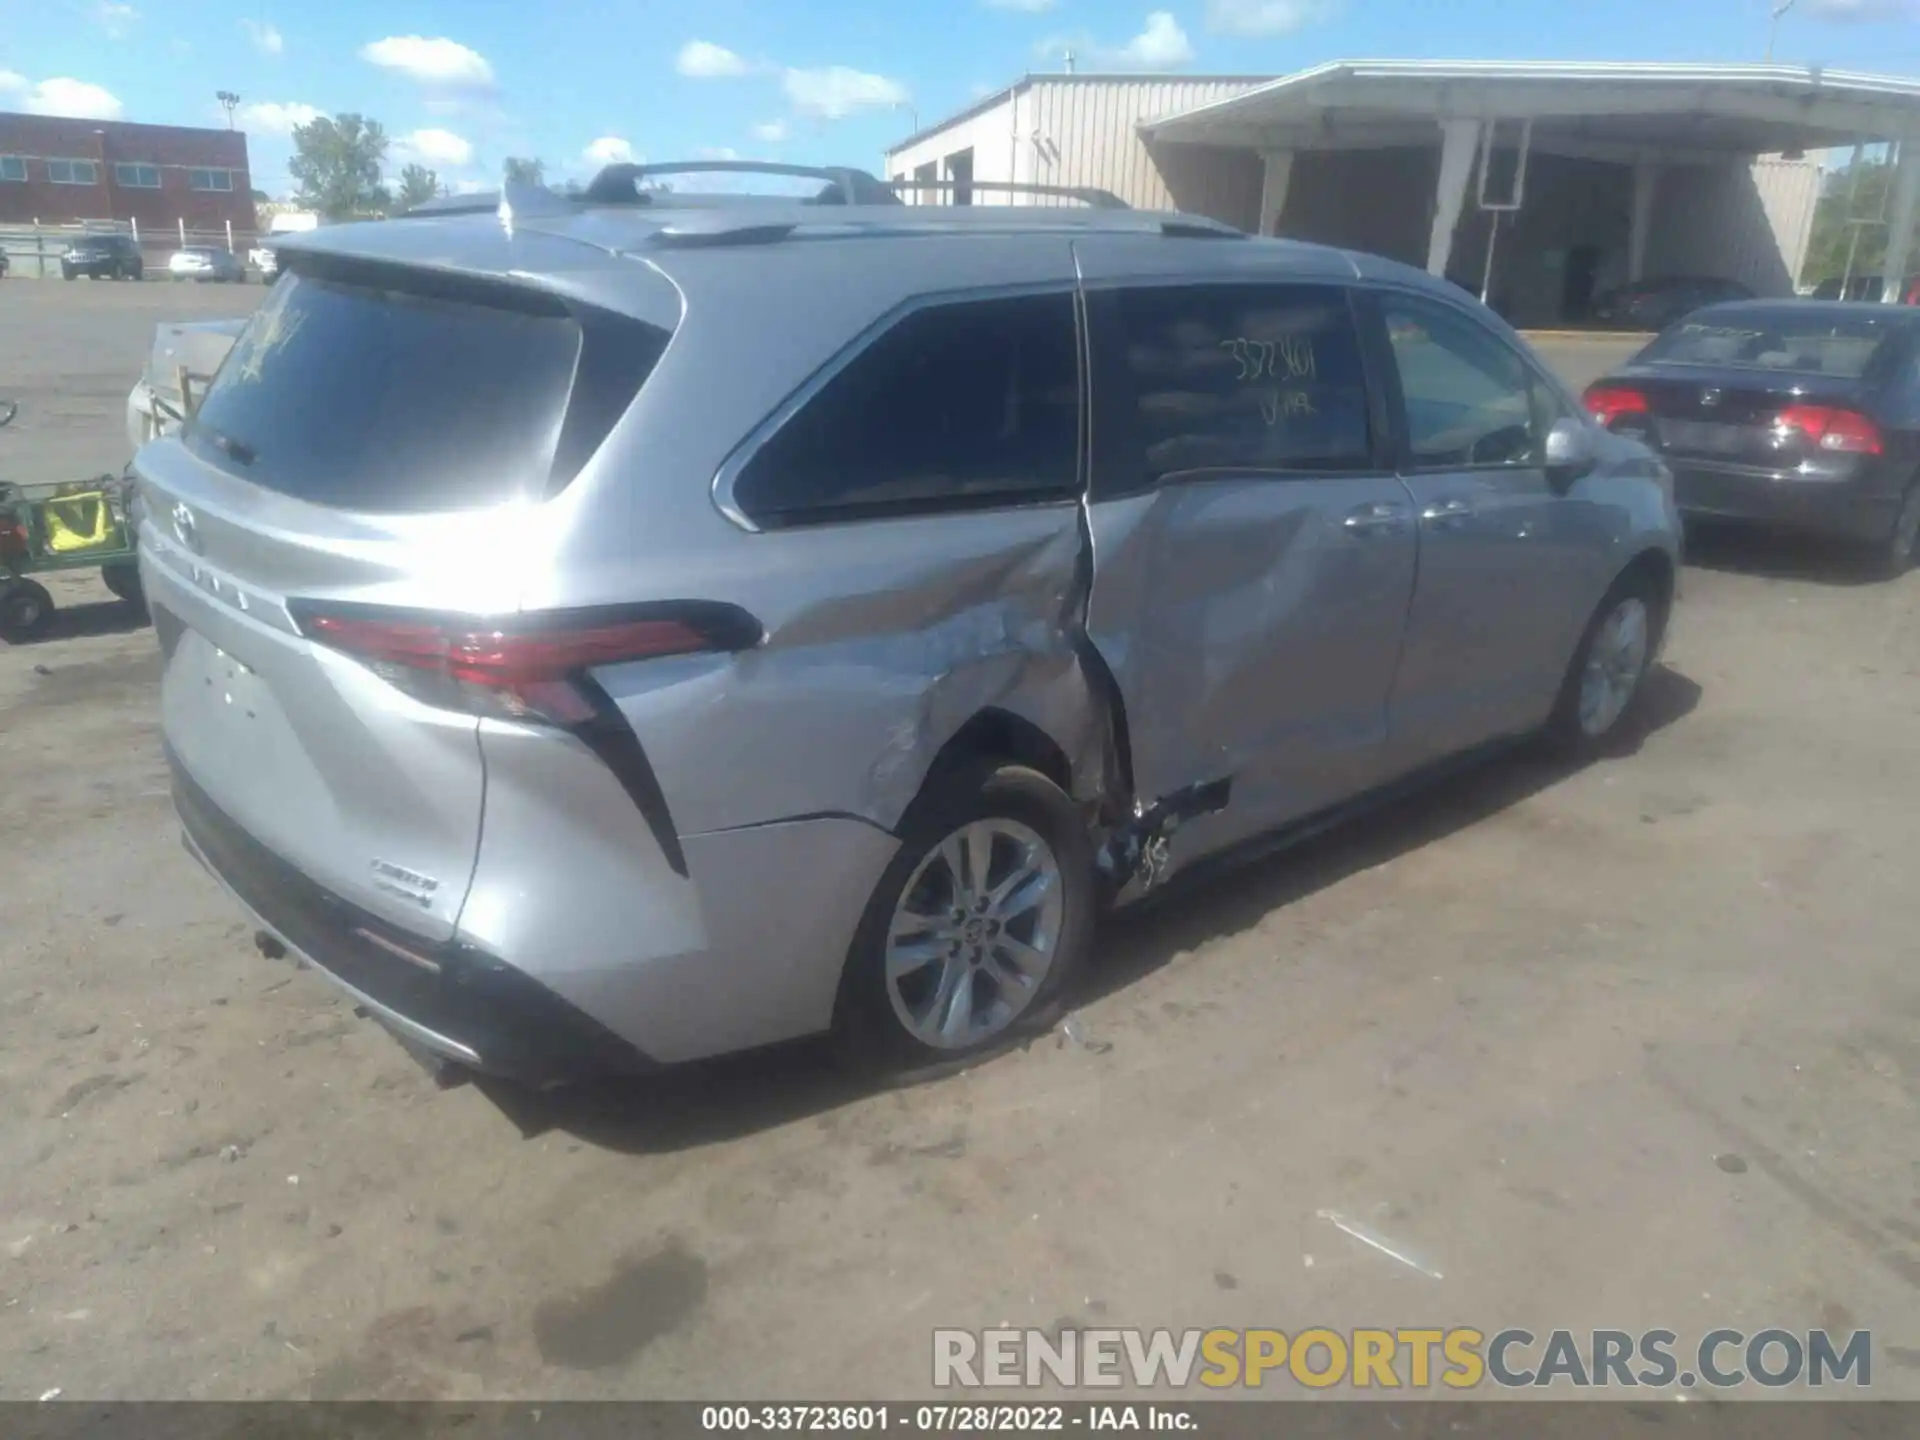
1265,17
266,38
274,118
837,91
74,99
1163,45
115,18
704,60
611,150
1845,10
433,147
438,61
1030,7
772,131
1160,45
473,187
719,152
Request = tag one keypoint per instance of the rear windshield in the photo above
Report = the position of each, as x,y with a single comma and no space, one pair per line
1789,338
394,401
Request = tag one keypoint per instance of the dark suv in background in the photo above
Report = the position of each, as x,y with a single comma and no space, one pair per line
1656,304
103,257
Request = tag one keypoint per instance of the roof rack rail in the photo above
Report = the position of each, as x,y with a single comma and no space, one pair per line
620,184
1085,194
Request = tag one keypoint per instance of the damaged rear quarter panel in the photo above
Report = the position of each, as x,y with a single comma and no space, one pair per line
899,634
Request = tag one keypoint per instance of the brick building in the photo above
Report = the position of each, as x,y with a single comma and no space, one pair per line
59,171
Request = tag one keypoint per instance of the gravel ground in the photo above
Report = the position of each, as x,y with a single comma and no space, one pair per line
1633,1046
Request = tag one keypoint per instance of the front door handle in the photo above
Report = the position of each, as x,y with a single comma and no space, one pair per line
1375,519
1447,512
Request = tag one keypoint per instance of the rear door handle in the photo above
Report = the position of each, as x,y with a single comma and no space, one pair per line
1447,512
1375,519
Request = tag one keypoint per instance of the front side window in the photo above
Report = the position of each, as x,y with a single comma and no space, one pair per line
137,177
1243,379
13,168
211,180
73,172
960,406
1470,398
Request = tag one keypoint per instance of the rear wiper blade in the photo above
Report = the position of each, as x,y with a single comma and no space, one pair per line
237,451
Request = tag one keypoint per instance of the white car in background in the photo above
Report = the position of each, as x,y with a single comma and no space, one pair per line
265,261
185,355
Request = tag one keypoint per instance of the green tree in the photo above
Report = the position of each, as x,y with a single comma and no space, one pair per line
417,186
336,164
521,171
1854,191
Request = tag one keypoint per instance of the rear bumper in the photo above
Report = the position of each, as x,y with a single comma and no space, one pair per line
453,999
1846,509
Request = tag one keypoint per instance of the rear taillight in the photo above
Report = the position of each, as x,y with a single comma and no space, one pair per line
1608,403
523,667
1845,432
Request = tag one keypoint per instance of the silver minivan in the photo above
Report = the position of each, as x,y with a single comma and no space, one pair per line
612,630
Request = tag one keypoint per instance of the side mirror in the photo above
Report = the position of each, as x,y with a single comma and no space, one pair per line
1572,451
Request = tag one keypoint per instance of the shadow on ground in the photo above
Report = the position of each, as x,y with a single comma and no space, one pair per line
724,1099
1773,555
96,617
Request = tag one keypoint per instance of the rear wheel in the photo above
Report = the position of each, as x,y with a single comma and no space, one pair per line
124,581
1609,668
26,609
976,929
1897,551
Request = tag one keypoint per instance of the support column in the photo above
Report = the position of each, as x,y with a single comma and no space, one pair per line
1459,140
1273,189
1646,179
1906,191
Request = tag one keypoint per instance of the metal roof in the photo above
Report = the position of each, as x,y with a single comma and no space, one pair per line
1674,107
1078,77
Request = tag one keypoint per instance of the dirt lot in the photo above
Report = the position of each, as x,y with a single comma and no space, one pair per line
1629,1047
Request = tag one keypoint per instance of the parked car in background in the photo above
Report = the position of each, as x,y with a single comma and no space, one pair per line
1801,415
102,257
265,262
504,571
1656,304
206,262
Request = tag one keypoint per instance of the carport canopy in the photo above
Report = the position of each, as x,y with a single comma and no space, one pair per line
1643,115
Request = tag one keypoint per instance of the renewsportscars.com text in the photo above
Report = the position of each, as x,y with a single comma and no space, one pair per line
1399,1359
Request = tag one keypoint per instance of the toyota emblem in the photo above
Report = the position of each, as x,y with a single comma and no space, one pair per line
184,528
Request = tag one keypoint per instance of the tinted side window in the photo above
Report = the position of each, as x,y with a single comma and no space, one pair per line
967,405
1244,378
1470,398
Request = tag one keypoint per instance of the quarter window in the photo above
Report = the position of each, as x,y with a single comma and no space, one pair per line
73,172
1470,398
959,406
1243,378
211,180
137,177
13,168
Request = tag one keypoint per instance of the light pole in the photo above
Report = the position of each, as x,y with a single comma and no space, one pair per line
1773,26
228,102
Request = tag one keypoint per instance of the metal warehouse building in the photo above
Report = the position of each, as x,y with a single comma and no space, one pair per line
1537,184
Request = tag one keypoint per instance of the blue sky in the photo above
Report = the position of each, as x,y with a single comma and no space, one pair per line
460,84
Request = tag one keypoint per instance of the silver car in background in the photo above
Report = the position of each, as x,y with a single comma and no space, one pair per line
627,628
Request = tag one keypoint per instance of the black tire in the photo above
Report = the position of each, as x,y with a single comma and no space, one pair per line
26,609
66,274
1569,735
123,579
1895,555
869,1035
